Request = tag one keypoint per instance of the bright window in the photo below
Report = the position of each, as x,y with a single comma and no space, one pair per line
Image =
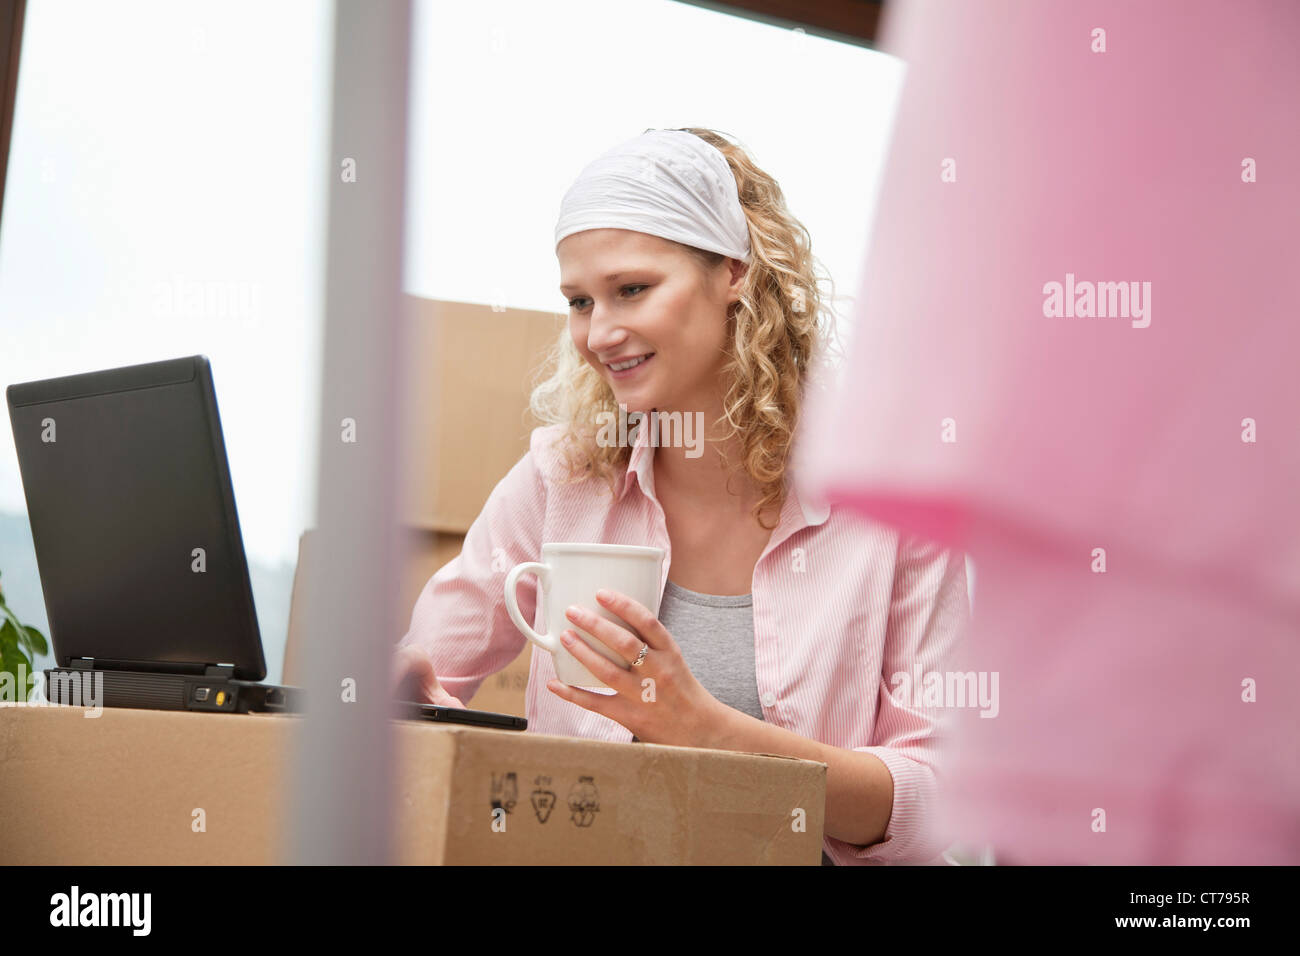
167,193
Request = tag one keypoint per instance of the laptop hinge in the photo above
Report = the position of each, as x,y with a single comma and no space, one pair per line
151,667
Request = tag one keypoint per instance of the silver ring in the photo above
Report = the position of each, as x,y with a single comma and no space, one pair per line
640,658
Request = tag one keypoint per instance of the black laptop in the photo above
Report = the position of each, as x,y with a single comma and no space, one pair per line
138,545
137,541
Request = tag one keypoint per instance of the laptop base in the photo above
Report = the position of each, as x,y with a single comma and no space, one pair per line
151,691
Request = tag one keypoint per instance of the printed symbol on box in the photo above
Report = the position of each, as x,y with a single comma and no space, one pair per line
543,800
583,802
505,792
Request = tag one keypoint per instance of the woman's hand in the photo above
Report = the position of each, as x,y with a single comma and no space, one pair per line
414,679
660,701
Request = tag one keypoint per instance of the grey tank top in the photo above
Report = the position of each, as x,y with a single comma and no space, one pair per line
716,635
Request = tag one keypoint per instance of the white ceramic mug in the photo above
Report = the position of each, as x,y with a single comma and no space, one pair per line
572,573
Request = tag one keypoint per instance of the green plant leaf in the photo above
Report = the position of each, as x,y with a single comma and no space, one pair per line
19,645
19,631
36,643
8,634
10,659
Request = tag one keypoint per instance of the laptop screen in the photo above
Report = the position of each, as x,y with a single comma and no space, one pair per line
133,519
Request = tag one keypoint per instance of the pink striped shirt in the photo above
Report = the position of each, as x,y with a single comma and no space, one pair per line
840,605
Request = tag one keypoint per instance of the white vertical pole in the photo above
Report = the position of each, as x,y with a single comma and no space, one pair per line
341,783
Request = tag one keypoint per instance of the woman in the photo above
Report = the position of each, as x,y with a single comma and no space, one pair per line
691,290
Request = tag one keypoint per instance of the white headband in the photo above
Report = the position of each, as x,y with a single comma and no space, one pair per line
666,183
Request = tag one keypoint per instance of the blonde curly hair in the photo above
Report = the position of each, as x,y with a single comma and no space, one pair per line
780,330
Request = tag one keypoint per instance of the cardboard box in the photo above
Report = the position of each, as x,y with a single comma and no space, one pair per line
465,413
122,788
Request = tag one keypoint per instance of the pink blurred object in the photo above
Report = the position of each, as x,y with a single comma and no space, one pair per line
1120,691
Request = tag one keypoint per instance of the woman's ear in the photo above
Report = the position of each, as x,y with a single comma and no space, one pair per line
737,280
738,270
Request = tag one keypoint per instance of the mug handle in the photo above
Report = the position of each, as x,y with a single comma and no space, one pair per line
543,572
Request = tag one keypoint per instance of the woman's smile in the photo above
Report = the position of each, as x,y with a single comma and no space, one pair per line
629,367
